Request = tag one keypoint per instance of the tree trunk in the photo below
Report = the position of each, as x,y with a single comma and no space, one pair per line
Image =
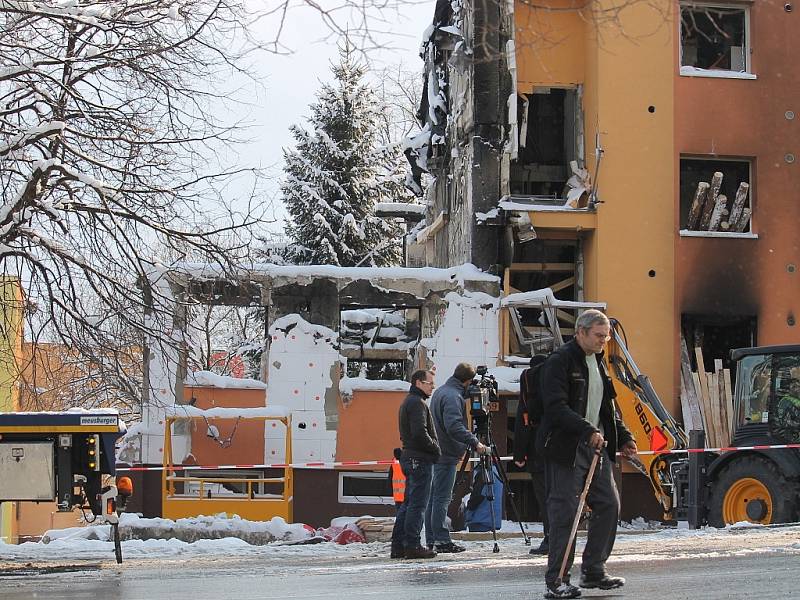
711,201
739,203
717,214
697,205
741,227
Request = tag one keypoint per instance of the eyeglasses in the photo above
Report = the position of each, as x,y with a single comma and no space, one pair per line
427,382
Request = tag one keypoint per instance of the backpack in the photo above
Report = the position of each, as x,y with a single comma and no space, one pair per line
530,392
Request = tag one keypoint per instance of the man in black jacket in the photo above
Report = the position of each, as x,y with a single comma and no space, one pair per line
580,420
420,452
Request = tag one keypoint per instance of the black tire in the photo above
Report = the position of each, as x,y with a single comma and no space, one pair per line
783,493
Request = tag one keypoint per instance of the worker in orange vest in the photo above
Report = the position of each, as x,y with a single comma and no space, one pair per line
398,479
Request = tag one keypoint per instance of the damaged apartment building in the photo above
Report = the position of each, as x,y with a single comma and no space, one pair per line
641,154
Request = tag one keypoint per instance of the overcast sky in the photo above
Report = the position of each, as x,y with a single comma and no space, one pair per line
290,81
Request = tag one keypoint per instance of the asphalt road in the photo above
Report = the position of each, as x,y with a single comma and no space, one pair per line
474,575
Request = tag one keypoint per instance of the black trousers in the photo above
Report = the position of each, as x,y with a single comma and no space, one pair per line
565,484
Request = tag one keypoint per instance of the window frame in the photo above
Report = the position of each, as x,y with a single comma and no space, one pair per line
691,71
342,499
750,233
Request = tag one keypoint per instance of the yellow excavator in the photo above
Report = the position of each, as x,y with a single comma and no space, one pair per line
756,481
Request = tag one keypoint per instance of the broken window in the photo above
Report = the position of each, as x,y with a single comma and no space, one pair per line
715,37
539,264
378,342
549,136
717,335
715,195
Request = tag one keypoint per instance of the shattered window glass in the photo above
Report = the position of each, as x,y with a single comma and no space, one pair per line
714,37
754,382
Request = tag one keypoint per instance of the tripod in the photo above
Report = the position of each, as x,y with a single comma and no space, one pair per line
487,463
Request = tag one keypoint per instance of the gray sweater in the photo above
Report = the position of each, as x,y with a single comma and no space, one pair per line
449,410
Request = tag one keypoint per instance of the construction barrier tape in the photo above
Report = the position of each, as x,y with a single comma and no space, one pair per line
374,463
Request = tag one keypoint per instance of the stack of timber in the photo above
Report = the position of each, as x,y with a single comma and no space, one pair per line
706,399
710,210
376,529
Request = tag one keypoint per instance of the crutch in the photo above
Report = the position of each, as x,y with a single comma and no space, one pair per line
581,503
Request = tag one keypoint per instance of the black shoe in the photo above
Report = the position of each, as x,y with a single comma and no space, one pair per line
449,547
602,581
419,552
398,552
565,590
543,548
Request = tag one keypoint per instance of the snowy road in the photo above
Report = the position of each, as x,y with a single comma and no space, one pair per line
670,565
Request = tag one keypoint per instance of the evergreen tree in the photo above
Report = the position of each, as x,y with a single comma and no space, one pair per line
338,172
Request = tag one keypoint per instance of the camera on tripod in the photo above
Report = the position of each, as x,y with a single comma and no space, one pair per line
481,393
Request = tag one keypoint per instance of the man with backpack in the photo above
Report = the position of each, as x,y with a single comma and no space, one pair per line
529,417
580,420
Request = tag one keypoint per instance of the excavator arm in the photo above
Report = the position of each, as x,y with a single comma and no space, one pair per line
652,426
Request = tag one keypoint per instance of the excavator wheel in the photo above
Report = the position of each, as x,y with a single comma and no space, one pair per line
751,488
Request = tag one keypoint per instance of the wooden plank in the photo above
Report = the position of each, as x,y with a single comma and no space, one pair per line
563,284
701,371
726,376
713,403
722,404
696,209
695,416
711,201
540,266
700,403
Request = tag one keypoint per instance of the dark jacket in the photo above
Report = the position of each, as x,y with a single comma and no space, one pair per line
565,391
449,409
416,427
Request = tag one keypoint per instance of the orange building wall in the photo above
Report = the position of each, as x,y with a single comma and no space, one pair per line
247,445
626,64
549,44
746,118
368,427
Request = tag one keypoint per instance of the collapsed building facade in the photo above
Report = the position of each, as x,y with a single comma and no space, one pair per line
600,152
642,154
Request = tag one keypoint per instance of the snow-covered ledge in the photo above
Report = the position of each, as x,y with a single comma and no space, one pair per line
687,71
718,234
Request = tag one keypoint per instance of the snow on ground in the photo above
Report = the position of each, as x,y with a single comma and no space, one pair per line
636,541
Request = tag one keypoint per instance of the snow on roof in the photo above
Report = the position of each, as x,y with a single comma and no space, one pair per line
292,320
184,410
465,272
545,296
524,207
210,379
347,385
70,411
400,207
473,299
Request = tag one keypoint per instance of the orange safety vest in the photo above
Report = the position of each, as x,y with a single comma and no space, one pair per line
398,482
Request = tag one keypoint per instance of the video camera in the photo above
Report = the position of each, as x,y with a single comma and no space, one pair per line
480,394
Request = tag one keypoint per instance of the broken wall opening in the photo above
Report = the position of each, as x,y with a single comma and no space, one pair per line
715,194
714,37
717,335
379,343
538,264
550,134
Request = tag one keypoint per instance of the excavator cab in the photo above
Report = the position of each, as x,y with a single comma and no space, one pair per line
767,395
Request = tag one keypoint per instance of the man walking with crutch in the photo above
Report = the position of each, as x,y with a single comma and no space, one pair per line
580,422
